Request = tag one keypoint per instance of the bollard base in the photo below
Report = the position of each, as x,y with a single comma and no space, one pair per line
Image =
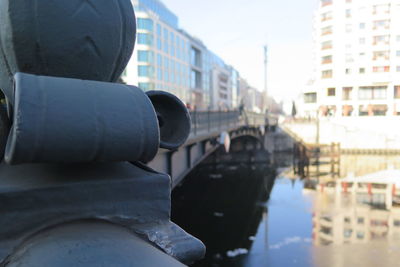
36,198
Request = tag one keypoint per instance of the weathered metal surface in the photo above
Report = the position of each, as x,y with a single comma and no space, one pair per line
35,197
4,129
84,39
57,61
172,115
70,120
89,243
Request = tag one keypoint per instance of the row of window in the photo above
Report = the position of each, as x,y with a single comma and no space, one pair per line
376,9
165,40
194,81
363,110
364,93
376,55
376,40
361,220
179,78
349,29
179,52
159,8
376,24
145,56
327,74
162,33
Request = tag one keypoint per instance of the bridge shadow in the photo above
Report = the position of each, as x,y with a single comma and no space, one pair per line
223,200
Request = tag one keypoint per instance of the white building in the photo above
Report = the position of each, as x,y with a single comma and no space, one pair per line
357,53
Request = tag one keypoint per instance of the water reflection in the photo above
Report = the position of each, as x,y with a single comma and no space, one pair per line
223,203
351,219
358,209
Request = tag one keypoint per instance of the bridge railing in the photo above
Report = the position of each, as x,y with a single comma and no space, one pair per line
204,122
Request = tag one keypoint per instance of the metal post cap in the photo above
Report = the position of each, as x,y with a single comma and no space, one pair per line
83,39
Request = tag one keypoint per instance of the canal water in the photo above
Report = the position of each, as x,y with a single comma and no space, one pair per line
257,214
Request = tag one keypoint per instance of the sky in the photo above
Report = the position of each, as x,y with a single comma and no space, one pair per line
237,30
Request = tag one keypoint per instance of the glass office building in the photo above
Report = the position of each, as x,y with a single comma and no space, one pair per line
168,58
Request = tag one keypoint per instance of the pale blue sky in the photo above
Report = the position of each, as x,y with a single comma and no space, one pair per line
237,29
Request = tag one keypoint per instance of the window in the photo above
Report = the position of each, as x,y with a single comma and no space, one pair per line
195,57
360,235
165,34
381,55
374,110
145,71
346,93
381,24
362,26
360,220
326,74
146,86
381,9
310,98
381,39
326,30
348,71
347,233
381,69
372,92
362,111
397,68
361,41
159,60
326,230
327,60
145,39
195,79
145,24
145,56
159,30
326,45
331,92
397,91
166,75
159,74
348,13
326,16
166,63
347,110
326,2
159,44
362,70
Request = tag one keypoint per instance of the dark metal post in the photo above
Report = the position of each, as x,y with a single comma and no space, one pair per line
73,155
219,119
208,119
195,121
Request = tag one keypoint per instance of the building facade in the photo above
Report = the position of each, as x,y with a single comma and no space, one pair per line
170,59
357,58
